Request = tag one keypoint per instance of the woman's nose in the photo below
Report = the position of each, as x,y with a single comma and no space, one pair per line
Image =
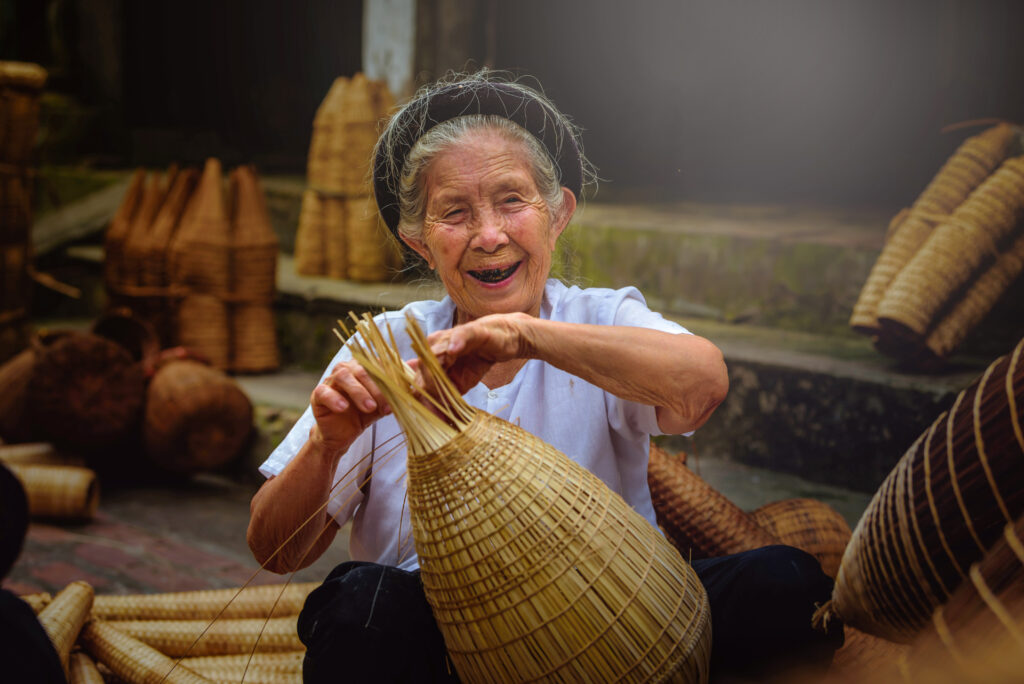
489,233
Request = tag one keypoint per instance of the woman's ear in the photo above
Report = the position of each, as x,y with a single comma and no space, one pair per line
420,248
562,220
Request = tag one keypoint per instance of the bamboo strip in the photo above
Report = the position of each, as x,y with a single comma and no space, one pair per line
64,616
220,637
250,602
131,659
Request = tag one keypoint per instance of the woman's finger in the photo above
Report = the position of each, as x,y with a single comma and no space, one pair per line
354,382
326,396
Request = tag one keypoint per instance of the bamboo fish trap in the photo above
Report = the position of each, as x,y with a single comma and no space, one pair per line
131,659
64,616
534,569
807,524
250,602
940,508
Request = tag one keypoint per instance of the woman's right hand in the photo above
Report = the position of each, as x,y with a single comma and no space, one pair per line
344,404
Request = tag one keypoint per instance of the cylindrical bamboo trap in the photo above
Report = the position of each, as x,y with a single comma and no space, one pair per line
272,668
807,524
64,616
59,492
204,327
972,162
32,453
532,566
37,601
940,508
699,520
82,669
978,635
311,236
196,418
178,638
953,253
277,600
373,254
131,659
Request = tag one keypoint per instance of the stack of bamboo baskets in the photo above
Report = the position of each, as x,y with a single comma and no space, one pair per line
340,234
21,85
199,264
216,635
951,255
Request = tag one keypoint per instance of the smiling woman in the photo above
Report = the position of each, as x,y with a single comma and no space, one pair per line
480,177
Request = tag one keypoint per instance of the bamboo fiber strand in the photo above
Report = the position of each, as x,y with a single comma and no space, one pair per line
131,659
248,602
221,637
64,616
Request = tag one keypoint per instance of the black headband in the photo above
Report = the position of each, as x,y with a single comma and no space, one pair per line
515,104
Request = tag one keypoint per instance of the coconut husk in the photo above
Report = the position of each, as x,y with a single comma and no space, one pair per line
532,566
940,508
807,524
972,162
178,638
698,519
59,491
64,616
196,418
131,659
249,602
373,254
311,236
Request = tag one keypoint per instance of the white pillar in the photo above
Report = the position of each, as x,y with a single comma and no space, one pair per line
389,43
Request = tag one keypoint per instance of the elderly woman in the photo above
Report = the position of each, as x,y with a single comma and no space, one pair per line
480,177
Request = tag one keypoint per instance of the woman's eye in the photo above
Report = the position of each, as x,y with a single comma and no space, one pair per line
454,213
513,200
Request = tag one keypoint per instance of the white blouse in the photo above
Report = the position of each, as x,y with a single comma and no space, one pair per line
605,434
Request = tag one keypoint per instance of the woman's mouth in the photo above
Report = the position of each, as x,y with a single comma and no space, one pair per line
495,275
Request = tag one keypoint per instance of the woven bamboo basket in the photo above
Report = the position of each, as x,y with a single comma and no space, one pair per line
88,386
201,250
972,162
373,254
807,524
250,602
133,255
325,121
64,616
36,453
971,308
196,418
533,568
940,508
15,376
82,669
311,236
59,492
254,338
953,253
117,232
351,137
272,668
977,635
336,241
37,601
178,638
697,518
21,84
204,327
131,659
165,226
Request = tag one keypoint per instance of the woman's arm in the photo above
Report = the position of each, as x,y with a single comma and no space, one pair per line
280,537
682,376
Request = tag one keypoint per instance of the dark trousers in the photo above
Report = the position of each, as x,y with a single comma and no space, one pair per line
372,623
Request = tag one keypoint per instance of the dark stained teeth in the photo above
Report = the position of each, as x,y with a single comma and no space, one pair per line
494,275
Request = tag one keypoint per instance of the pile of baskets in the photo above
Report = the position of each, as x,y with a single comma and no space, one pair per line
199,265
950,256
217,635
340,234
21,85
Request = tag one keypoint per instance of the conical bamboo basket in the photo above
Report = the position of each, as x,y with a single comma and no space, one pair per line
807,524
251,602
165,226
202,247
218,637
82,669
131,659
64,616
941,507
972,162
117,231
534,569
204,327
59,492
134,249
697,518
325,122
311,236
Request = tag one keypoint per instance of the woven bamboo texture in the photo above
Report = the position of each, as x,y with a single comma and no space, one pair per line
178,638
311,236
250,602
372,253
978,635
63,618
862,656
201,250
82,669
532,566
972,162
59,492
204,327
118,230
134,252
196,418
954,251
699,520
270,668
164,227
33,453
807,524
37,601
131,659
940,508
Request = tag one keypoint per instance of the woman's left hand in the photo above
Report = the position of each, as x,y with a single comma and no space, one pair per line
468,351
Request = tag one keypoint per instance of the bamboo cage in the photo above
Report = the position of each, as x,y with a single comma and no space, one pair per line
533,568
59,491
807,524
64,616
699,520
131,659
249,602
940,508
177,638
969,165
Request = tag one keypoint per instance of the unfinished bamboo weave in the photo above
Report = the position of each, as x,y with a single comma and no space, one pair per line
699,520
972,162
954,251
58,491
131,659
82,669
978,635
63,618
807,524
533,568
940,508
215,637
251,602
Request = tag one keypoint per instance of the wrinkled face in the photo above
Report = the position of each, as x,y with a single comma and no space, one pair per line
487,230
